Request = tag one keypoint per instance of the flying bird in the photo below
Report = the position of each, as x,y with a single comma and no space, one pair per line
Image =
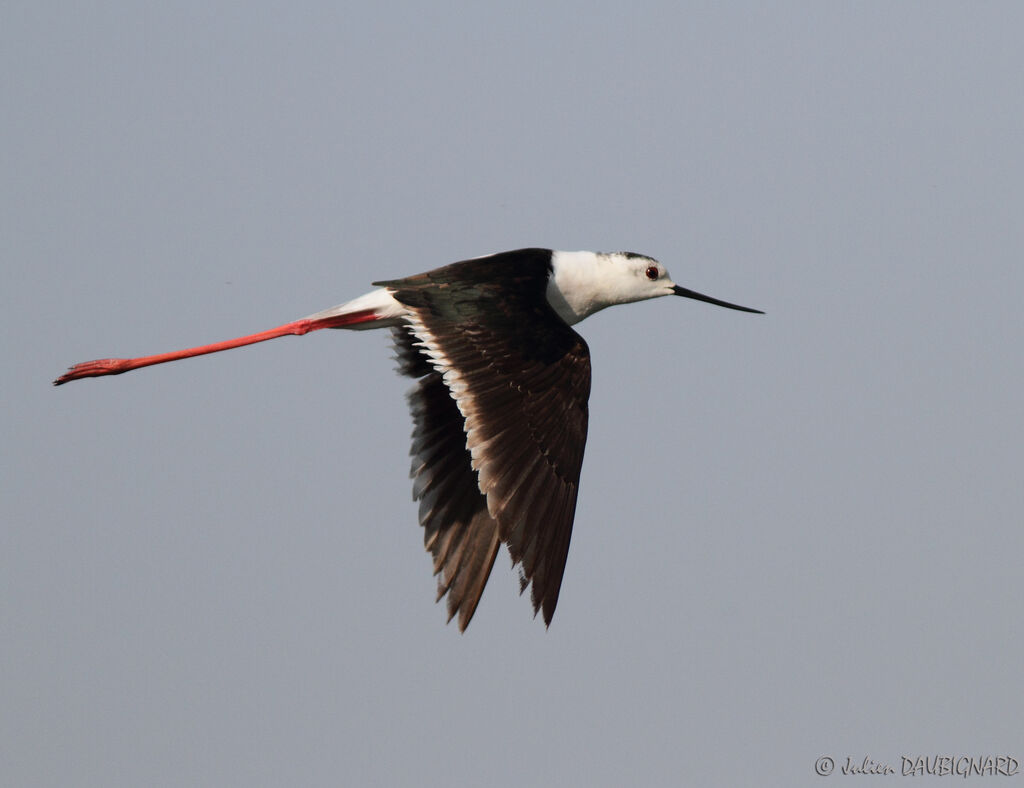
500,400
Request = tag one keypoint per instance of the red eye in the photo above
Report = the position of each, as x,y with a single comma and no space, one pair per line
652,272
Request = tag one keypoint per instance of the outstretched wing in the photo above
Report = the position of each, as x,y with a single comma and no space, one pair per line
457,528
520,378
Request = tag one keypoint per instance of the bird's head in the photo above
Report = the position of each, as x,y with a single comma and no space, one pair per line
586,282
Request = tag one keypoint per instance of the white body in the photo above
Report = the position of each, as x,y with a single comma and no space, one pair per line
581,284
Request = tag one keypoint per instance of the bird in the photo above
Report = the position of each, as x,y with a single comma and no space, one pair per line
499,402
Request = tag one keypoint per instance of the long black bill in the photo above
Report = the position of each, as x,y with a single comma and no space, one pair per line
682,291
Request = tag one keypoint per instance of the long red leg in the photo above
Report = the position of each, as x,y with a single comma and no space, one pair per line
115,366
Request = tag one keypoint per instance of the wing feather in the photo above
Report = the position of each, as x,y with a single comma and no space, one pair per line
458,531
501,405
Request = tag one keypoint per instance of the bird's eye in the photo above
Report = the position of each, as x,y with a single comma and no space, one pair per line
652,272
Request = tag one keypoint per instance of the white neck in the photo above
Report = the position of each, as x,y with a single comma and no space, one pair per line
583,283
573,289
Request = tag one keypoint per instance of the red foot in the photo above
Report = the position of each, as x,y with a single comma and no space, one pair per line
93,369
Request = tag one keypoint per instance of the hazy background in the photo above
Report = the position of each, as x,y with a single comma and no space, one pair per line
798,535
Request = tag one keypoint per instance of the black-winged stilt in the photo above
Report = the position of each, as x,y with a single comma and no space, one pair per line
500,403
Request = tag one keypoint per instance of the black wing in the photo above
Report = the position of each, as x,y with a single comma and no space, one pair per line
520,378
457,529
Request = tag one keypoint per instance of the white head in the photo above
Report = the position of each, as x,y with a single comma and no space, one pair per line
583,283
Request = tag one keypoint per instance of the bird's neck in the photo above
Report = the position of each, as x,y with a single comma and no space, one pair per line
577,287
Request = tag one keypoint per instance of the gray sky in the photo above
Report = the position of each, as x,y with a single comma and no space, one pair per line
798,535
